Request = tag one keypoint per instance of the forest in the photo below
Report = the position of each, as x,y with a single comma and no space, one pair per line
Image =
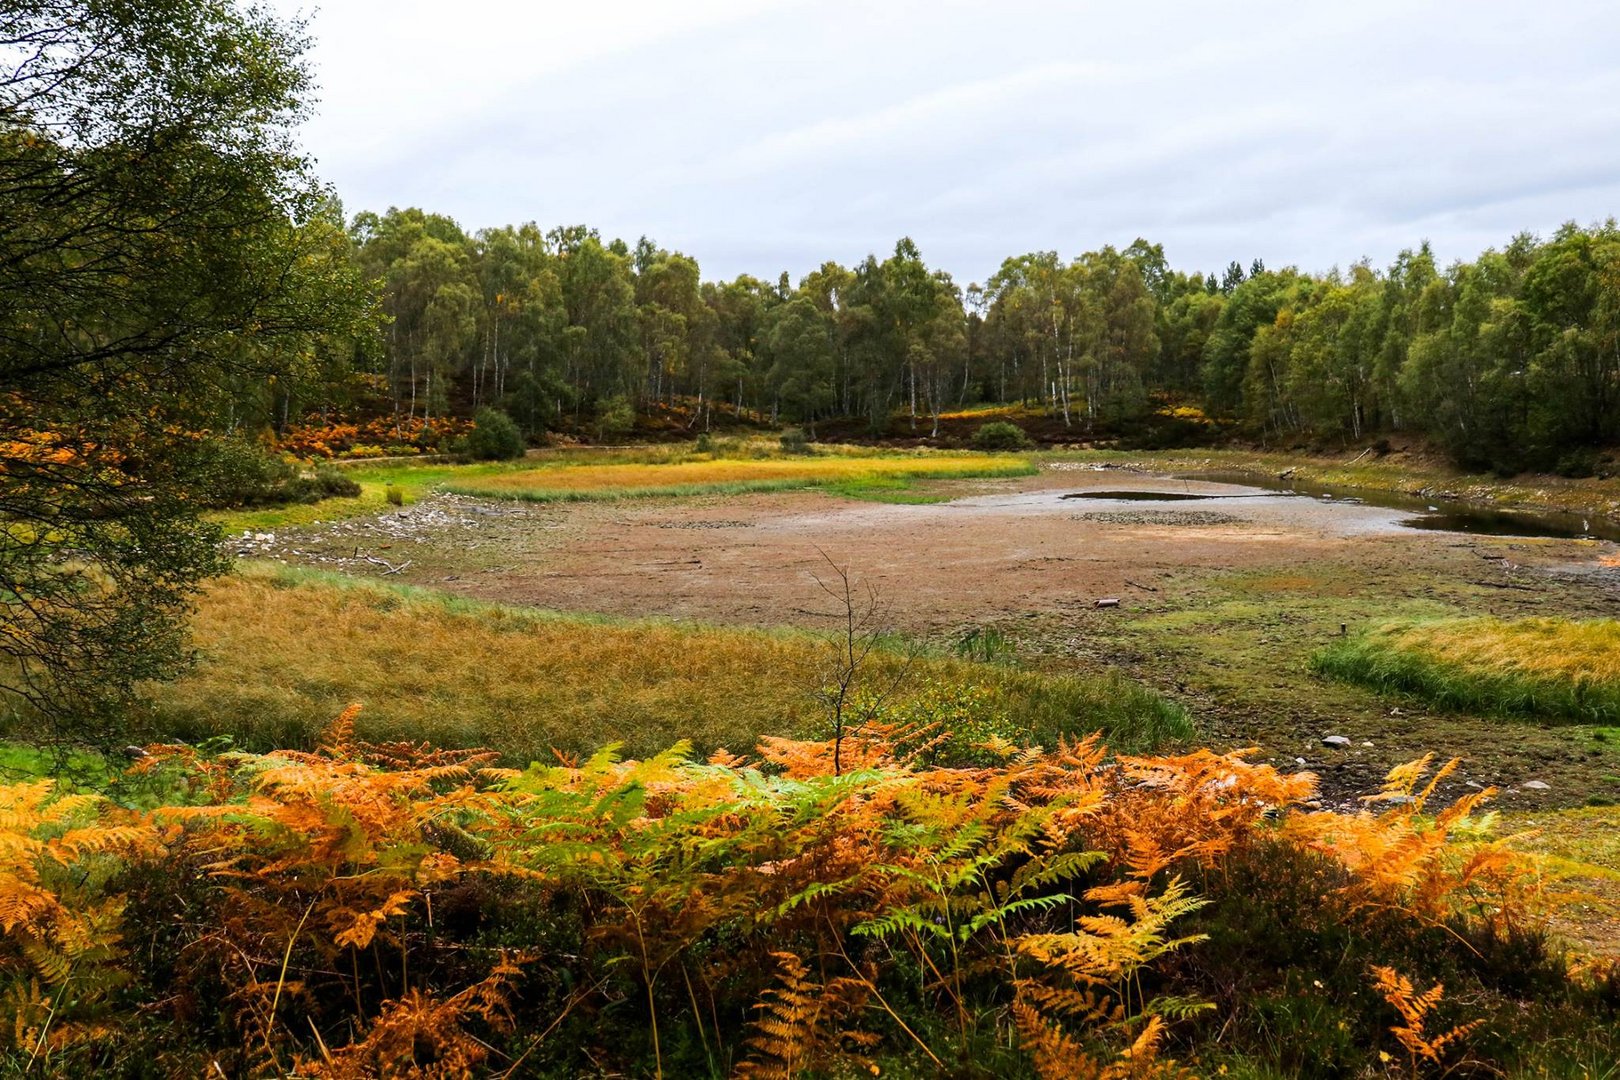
1508,362
437,654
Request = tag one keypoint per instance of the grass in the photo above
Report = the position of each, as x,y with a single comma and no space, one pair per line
1552,669
1581,849
732,466
861,475
283,651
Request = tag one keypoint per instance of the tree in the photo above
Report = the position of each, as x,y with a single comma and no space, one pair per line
162,246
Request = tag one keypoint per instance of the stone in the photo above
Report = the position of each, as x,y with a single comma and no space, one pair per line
1535,785
1338,741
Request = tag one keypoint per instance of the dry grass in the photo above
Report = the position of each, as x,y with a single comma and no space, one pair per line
284,651
731,475
1562,669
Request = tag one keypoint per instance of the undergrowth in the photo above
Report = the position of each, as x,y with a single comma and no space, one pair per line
1547,668
370,910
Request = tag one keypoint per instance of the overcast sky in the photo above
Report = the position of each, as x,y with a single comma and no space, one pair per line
760,136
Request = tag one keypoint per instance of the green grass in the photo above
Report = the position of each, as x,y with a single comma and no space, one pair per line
1552,669
283,651
864,475
732,467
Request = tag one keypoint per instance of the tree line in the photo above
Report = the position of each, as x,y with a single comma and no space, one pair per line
1509,361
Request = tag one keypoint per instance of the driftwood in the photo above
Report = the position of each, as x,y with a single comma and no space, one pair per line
1144,588
1109,601
1505,585
390,567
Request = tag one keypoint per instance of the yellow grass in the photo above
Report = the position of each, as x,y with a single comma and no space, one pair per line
586,480
1549,667
1578,650
285,651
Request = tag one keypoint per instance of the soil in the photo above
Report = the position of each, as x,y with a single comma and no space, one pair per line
1219,606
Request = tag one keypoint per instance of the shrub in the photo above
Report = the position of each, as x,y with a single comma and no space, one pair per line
494,437
334,483
237,473
1000,435
794,441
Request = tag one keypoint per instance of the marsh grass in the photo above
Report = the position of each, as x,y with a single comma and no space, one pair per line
282,651
1546,668
861,475
730,466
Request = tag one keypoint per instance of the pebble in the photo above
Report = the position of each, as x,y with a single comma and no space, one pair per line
1338,741
1535,785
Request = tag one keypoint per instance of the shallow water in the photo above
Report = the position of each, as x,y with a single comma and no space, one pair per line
1141,496
1434,515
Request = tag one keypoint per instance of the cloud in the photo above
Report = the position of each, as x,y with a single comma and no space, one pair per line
759,136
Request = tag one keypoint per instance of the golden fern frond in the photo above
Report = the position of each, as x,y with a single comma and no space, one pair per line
337,741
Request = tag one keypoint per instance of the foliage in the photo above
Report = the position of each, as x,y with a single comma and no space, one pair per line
1414,1008
1000,435
494,437
1549,668
1508,362
240,474
167,266
389,909
380,436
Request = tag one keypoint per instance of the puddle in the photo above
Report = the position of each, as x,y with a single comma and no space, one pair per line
1497,524
1141,496
1434,515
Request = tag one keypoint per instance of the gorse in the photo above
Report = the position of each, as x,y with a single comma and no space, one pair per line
379,910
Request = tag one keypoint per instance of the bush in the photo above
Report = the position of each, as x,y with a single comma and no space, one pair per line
1578,464
794,442
1000,435
235,472
334,483
494,437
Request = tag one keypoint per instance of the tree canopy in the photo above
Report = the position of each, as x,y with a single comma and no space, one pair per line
168,266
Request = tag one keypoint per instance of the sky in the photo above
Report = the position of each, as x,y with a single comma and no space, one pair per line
767,135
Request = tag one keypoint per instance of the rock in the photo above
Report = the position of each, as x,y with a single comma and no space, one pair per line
1336,741
1299,761
1366,742
1535,785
